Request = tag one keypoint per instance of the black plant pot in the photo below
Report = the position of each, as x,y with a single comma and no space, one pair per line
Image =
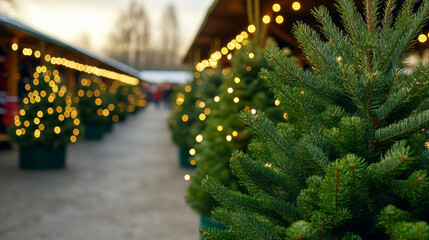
184,158
208,222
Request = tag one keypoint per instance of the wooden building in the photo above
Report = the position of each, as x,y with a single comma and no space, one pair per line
225,20
23,48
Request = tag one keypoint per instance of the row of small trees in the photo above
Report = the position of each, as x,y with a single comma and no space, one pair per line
51,116
350,158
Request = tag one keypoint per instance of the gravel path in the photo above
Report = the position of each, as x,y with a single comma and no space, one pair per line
127,186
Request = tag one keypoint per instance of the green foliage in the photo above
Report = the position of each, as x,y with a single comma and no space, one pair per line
92,101
47,115
189,102
241,88
351,161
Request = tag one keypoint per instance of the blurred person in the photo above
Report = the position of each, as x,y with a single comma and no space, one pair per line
167,96
157,96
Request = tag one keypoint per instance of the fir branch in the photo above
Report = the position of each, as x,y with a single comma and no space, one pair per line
268,134
298,79
302,33
348,14
406,125
251,177
391,104
332,33
364,107
403,160
388,16
336,188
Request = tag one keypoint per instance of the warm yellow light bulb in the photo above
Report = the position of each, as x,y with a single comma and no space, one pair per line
76,131
217,99
235,133
14,46
422,38
207,111
50,110
230,90
39,114
219,128
192,151
73,139
199,138
77,121
296,6
188,88
193,162
236,99
37,133
22,112
266,19
202,117
251,28
228,138
279,19
285,116
276,7
36,121
57,129
187,177
224,50
185,118
251,55
277,102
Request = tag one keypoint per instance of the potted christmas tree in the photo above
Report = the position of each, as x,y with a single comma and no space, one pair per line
184,115
93,107
350,162
241,89
46,123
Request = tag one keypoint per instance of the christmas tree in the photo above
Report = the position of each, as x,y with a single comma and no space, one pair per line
92,103
241,89
47,115
351,161
94,106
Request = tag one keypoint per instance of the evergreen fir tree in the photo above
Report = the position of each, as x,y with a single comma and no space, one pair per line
184,115
190,108
93,102
47,115
350,162
241,89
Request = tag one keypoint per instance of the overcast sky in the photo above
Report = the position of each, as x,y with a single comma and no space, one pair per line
69,19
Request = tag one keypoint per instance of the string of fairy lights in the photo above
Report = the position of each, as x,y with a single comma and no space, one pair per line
241,39
57,60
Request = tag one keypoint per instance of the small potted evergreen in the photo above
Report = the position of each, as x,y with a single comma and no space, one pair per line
46,123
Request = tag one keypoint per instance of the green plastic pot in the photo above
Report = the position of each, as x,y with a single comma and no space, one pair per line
41,157
108,127
184,158
208,222
94,131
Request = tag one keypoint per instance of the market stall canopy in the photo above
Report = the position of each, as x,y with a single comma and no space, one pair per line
12,30
225,19
166,76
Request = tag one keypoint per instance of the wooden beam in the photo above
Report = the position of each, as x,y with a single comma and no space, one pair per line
71,79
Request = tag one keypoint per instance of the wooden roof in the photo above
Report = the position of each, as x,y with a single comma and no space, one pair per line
227,18
29,37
